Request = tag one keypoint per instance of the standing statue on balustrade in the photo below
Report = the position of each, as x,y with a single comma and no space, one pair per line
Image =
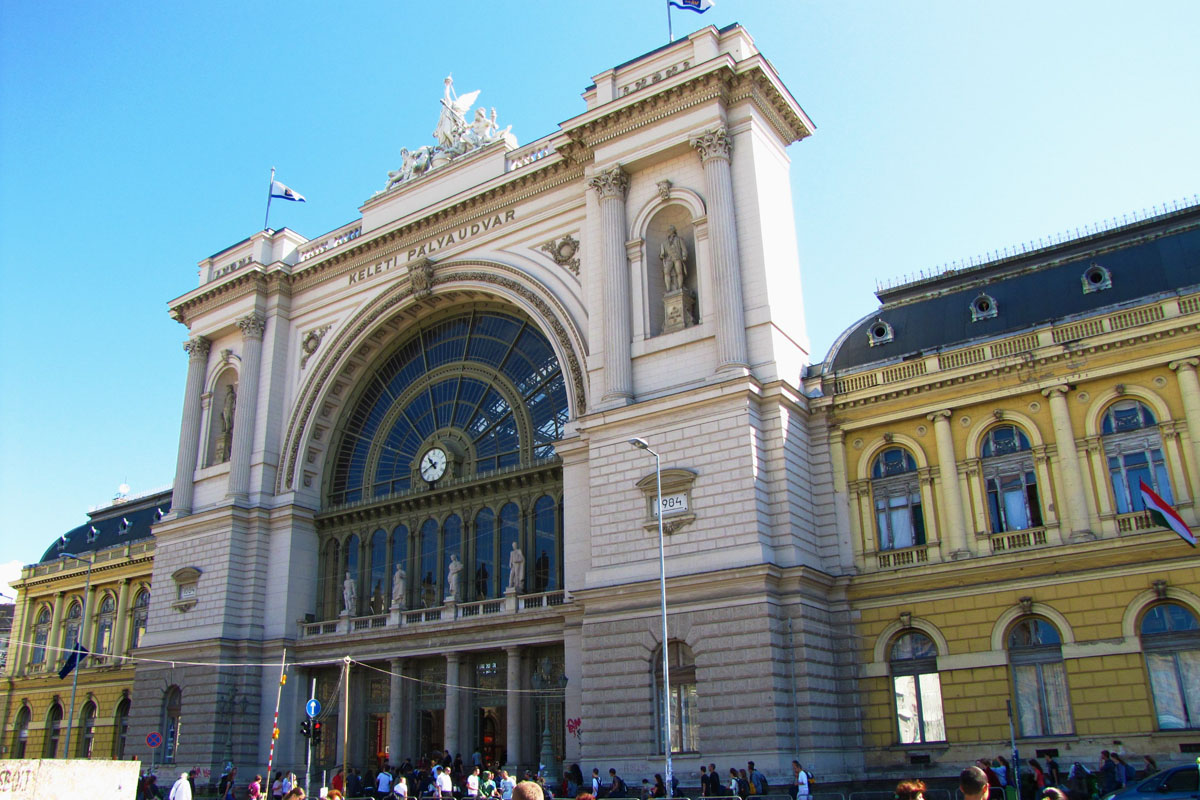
516,569
350,596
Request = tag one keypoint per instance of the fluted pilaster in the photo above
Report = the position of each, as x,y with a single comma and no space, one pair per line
252,328
611,185
714,147
189,427
1075,523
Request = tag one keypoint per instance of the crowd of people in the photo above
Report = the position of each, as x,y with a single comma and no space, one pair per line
987,779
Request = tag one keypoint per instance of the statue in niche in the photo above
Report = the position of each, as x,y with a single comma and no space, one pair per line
516,568
674,260
399,586
455,570
349,596
225,439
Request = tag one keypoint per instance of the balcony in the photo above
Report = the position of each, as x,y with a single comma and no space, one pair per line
909,556
1018,540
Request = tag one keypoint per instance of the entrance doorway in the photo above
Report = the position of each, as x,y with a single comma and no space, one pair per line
490,737
431,738
377,740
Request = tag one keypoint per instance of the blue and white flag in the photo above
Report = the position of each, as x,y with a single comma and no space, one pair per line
281,191
77,656
699,6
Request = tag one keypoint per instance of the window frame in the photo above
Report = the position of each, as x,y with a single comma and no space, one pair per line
1040,656
917,667
888,486
1121,440
1172,643
685,699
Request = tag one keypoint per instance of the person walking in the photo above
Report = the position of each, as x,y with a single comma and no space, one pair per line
973,783
182,790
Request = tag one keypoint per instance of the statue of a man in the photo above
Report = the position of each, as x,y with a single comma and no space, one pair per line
674,260
350,595
452,577
227,409
516,568
399,586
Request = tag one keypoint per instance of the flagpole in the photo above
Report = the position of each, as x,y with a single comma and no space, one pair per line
82,628
267,216
670,33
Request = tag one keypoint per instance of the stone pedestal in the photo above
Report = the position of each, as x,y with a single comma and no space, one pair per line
679,310
510,600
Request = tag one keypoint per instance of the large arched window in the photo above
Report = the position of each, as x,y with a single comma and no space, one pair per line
21,732
1039,678
87,731
121,729
1011,483
141,615
377,577
545,545
330,581
918,689
685,720
102,646
1171,641
72,628
41,637
430,564
897,494
173,715
484,584
53,731
1133,447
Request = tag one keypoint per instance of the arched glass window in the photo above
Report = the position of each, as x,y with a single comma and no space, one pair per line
545,545
41,636
350,565
173,712
102,646
377,578
330,580
897,494
918,689
400,558
21,732
1011,483
1039,678
685,721
71,629
1133,447
510,533
121,729
484,571
430,566
87,731
53,731
141,614
1170,636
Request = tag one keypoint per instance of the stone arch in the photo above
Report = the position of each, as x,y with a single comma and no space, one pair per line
362,337
1142,601
888,634
1025,423
1014,613
869,453
1104,399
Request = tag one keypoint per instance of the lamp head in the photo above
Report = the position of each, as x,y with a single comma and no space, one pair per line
640,444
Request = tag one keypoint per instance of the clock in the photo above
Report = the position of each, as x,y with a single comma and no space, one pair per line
433,464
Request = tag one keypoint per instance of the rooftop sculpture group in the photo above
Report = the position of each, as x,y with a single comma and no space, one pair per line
454,134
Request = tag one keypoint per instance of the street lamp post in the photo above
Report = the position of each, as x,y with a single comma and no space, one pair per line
80,635
662,592
543,680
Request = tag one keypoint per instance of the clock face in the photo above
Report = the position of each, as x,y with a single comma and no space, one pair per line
433,464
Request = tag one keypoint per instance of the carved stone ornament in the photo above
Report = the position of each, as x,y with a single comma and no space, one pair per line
612,182
564,252
420,276
310,343
712,143
664,189
197,348
1026,604
252,326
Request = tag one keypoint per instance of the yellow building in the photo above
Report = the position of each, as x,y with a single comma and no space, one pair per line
988,431
92,585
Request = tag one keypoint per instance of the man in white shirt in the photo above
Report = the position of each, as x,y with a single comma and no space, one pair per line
182,790
473,783
444,784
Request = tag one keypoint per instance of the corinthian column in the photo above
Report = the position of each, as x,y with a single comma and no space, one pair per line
952,504
1075,521
189,427
714,146
610,185
1189,390
243,414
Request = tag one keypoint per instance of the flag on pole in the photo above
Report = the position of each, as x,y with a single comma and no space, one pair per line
77,655
281,191
1162,514
699,6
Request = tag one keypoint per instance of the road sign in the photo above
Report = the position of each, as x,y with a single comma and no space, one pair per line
313,707
153,740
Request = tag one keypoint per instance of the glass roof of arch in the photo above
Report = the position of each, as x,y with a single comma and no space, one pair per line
458,373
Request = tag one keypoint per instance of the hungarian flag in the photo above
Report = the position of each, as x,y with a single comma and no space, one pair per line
1162,514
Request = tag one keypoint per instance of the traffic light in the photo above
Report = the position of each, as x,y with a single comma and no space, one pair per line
316,733
305,729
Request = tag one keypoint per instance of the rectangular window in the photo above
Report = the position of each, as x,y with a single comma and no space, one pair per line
1175,684
1013,501
1043,702
919,708
900,520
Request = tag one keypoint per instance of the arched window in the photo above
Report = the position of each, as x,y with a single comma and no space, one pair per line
21,732
53,731
102,646
1008,474
1170,636
121,729
685,721
377,578
173,713
897,495
486,557
430,566
87,731
330,581
71,629
545,545
41,636
141,614
918,689
1039,678
1133,447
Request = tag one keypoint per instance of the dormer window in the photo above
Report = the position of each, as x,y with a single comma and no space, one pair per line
123,528
93,534
983,307
880,332
1096,279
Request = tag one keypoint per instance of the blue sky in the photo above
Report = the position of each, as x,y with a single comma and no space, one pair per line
137,139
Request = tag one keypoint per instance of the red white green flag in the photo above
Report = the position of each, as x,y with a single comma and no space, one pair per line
1162,514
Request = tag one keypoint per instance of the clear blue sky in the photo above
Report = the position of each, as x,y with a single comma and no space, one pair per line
137,139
